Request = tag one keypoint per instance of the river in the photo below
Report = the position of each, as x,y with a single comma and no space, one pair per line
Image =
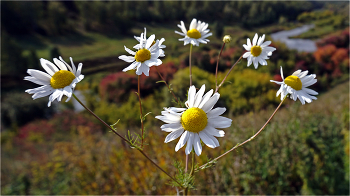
301,45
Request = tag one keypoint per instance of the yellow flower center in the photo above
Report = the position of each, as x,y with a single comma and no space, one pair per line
61,79
194,33
256,50
294,82
194,120
142,55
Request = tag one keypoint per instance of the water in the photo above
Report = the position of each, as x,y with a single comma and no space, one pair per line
301,45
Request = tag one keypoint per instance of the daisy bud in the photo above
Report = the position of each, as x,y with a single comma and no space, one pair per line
227,39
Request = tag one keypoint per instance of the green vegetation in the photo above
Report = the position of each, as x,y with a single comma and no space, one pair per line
47,151
302,151
326,21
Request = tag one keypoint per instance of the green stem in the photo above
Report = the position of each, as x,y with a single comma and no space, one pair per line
248,140
191,173
98,118
160,75
140,150
217,66
139,95
190,67
217,88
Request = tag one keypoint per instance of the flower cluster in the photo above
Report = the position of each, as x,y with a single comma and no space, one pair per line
198,121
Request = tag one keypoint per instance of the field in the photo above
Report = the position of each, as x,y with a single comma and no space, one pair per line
59,151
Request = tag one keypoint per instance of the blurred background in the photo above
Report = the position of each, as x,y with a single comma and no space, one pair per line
64,150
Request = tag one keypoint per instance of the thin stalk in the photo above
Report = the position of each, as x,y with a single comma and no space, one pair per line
98,118
160,75
191,173
248,140
217,66
139,95
103,122
190,65
228,74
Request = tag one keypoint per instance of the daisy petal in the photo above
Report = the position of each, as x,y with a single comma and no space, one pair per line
197,144
205,98
190,143
166,119
191,96
261,39
60,64
193,24
265,44
129,51
36,81
132,66
215,112
171,127
173,135
44,77
206,140
255,39
128,59
245,55
212,131
199,96
49,67
220,122
182,141
211,102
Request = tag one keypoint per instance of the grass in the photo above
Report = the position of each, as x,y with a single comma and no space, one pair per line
102,164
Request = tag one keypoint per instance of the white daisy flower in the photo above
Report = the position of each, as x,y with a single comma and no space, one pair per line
296,85
258,51
58,80
197,33
197,121
160,42
146,56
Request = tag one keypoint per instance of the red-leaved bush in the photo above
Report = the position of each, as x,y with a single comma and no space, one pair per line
116,87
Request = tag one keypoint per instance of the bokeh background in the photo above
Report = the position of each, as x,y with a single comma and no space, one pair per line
64,150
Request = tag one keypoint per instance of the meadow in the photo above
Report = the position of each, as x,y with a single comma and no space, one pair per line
59,151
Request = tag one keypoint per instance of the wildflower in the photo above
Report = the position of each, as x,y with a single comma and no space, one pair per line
227,39
197,33
161,51
146,56
296,85
197,121
258,51
57,81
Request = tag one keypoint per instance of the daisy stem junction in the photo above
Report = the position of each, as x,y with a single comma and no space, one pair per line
160,75
141,117
217,87
248,140
115,132
217,66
